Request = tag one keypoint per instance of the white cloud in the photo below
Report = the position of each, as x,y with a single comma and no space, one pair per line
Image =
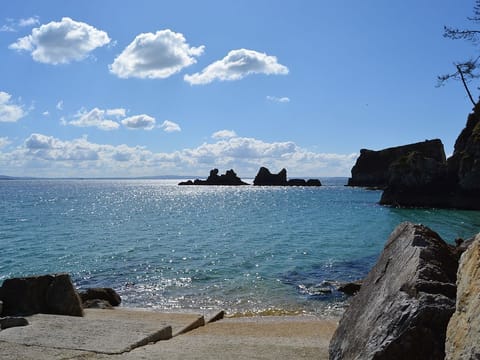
139,122
222,134
119,112
4,142
61,42
46,113
170,126
9,112
94,118
31,21
155,56
7,28
60,105
45,155
283,99
236,65
12,24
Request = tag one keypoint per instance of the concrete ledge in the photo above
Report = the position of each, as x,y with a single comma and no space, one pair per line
102,331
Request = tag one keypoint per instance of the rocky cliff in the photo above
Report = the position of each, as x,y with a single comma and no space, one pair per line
417,179
372,167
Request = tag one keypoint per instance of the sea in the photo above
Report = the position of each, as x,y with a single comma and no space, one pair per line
247,250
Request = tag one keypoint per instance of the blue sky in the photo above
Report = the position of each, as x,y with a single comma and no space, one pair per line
140,88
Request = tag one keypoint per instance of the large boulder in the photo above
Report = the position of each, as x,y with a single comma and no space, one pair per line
463,333
372,167
48,294
405,302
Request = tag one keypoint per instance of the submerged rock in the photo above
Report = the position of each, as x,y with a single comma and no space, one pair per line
350,288
405,302
48,294
464,327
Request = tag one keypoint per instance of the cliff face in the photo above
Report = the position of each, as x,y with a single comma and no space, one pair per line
372,168
417,180
464,164
464,326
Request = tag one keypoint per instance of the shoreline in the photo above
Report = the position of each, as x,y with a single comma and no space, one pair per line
132,333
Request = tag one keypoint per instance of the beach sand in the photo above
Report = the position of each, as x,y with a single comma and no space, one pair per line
111,334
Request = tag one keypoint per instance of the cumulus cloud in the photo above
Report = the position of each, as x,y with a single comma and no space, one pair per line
9,112
139,122
283,99
61,42
222,134
50,156
155,56
60,105
95,118
236,65
170,126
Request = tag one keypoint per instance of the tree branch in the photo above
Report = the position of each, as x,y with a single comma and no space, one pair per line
465,85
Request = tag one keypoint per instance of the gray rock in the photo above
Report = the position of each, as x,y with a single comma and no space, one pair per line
350,288
464,326
97,304
405,302
9,322
48,294
107,294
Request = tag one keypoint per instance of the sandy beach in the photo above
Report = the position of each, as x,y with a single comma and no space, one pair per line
137,334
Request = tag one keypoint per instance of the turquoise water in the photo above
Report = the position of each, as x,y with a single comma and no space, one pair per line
243,249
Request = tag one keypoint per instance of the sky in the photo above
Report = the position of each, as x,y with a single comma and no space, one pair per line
148,88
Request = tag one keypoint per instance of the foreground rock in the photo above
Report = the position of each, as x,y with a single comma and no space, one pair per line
89,296
372,167
404,305
9,322
418,179
48,294
464,327
265,178
229,178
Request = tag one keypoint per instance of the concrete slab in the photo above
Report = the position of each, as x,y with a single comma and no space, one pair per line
275,338
180,322
101,331
109,336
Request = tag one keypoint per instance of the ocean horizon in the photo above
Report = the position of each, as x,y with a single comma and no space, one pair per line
246,249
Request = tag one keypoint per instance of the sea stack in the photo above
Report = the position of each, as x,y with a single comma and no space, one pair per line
372,168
